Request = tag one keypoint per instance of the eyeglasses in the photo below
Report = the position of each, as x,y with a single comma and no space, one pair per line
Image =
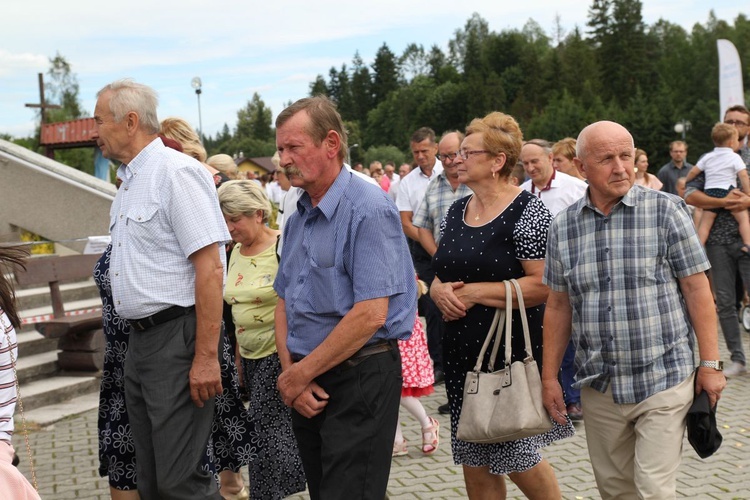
735,122
465,154
447,156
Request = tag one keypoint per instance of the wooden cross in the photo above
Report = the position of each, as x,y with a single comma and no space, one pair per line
42,103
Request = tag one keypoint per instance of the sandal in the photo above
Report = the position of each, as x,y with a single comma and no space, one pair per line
243,494
399,449
431,437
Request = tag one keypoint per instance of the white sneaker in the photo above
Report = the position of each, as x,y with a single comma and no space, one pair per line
735,369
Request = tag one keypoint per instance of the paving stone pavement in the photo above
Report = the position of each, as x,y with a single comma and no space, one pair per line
67,461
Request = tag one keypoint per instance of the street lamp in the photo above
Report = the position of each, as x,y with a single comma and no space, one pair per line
350,150
682,126
197,84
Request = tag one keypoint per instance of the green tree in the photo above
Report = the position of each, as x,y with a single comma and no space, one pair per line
413,62
254,121
620,42
385,74
62,88
395,119
319,86
577,70
436,61
354,139
447,107
384,154
219,143
340,91
361,90
458,51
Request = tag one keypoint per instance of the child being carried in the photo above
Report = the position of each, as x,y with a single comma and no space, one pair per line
722,167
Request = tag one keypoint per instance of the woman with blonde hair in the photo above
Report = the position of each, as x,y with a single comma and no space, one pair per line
496,234
563,152
277,471
181,131
642,176
224,164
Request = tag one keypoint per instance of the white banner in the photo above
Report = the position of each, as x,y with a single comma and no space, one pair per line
731,91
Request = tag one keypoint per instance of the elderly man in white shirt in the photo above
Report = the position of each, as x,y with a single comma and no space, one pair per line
167,272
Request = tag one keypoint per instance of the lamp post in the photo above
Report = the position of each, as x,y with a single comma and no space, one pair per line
682,126
197,84
350,150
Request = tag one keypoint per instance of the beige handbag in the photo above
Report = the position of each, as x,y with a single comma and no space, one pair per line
504,405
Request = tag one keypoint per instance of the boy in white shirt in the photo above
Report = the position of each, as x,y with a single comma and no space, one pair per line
722,166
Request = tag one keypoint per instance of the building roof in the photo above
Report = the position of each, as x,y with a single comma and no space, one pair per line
70,134
263,162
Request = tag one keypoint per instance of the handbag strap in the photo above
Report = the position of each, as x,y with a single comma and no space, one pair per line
524,321
496,320
509,328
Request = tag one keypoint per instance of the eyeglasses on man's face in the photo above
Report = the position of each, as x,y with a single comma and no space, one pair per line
465,154
736,123
446,156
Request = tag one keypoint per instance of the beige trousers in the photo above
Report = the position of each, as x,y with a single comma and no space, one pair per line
635,449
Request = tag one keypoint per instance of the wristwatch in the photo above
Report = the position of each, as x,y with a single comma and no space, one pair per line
716,365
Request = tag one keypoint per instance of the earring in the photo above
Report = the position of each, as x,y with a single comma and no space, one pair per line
494,174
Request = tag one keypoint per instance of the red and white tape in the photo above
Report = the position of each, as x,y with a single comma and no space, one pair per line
46,317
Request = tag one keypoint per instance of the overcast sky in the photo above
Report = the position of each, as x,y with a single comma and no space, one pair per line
274,48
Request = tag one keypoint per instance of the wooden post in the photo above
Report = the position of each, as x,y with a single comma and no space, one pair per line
58,309
44,107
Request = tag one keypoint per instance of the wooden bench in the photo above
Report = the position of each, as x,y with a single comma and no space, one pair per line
81,339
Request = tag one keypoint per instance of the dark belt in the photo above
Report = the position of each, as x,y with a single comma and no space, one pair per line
159,318
364,353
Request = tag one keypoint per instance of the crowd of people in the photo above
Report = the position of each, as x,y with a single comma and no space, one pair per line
317,324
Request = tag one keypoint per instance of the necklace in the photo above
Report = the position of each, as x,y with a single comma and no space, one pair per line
479,214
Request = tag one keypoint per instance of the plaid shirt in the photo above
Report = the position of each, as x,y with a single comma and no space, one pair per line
630,323
437,200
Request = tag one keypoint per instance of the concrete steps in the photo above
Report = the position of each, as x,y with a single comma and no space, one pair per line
53,390
31,298
49,394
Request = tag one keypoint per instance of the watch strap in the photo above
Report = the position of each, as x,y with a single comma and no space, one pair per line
715,364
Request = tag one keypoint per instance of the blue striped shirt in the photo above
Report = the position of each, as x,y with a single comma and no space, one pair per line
347,249
630,324
165,210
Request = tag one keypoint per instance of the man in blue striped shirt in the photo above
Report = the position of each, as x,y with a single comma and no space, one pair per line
342,305
626,270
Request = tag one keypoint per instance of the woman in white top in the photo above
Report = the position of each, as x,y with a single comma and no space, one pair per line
12,483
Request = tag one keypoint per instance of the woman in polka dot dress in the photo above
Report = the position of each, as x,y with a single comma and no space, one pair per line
498,233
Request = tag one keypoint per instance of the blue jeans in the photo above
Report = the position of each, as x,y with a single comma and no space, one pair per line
726,262
567,373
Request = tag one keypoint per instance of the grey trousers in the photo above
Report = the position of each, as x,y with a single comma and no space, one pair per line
170,433
726,261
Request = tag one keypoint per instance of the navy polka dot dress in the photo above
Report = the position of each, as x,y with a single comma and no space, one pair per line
488,253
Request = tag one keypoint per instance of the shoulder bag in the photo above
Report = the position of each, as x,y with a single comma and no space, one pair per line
504,405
